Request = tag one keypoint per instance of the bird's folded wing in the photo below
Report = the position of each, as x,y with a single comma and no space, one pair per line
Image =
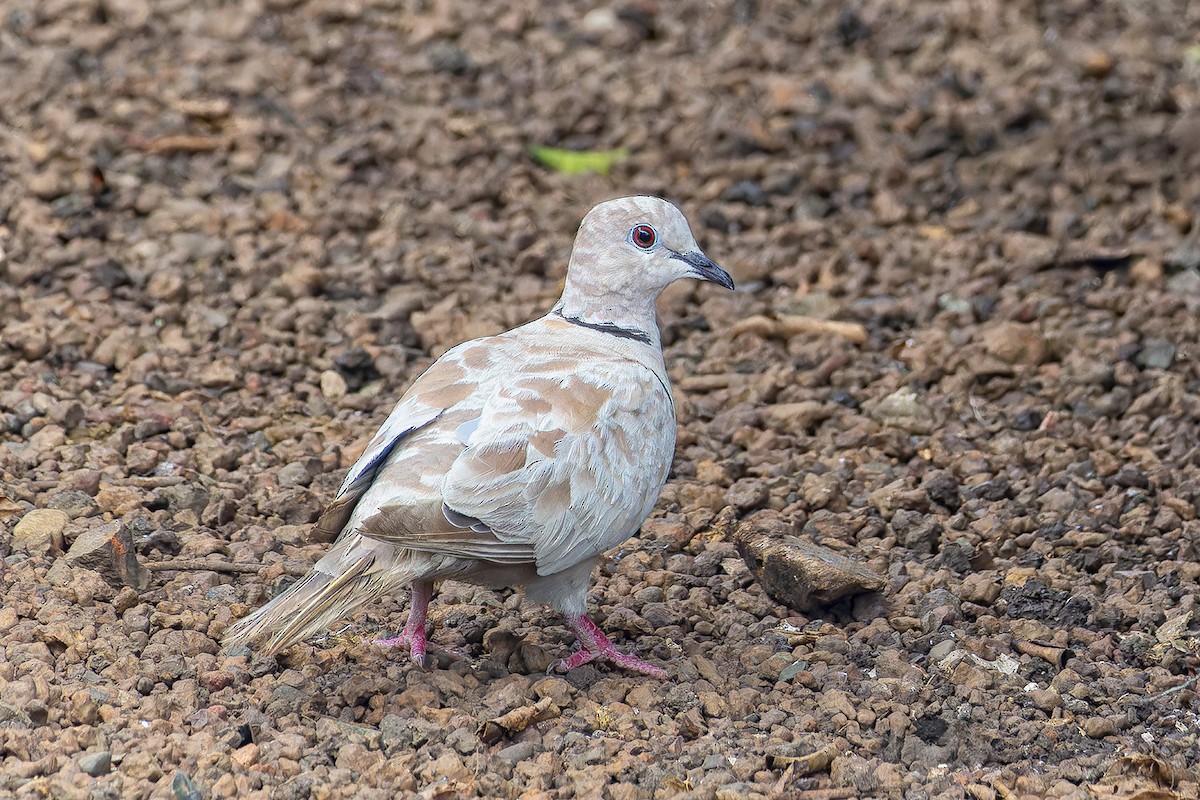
441,387
425,527
558,469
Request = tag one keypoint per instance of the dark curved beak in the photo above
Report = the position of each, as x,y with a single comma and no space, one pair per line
704,269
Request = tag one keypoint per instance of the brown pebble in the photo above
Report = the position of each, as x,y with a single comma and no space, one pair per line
1045,699
1099,727
216,680
40,531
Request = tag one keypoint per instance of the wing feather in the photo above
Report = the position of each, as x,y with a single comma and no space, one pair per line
440,388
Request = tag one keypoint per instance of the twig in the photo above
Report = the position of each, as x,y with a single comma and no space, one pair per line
708,383
1190,682
788,325
156,481
189,564
839,793
182,144
851,331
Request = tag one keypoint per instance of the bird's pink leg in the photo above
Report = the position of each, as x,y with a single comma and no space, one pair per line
413,635
594,644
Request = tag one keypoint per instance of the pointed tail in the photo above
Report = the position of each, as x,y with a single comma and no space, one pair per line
312,603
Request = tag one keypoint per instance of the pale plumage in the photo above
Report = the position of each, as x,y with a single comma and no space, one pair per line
517,459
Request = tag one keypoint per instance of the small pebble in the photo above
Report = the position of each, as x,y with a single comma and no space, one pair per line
96,764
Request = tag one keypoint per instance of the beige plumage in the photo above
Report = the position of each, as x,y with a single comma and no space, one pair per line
517,459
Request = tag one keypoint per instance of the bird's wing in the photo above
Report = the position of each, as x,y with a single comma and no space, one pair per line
560,465
439,390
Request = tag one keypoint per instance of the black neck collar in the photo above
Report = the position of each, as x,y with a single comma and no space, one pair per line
607,327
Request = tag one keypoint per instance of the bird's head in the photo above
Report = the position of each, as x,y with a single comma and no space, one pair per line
635,247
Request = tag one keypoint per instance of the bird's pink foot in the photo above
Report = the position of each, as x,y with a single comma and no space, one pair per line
413,636
595,645
420,647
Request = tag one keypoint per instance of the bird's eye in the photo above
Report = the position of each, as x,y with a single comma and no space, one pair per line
643,236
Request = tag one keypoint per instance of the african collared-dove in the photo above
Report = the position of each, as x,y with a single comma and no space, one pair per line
516,460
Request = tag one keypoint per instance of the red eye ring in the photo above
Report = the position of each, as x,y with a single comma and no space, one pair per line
643,236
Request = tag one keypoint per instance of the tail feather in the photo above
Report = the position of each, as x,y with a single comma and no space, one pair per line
310,605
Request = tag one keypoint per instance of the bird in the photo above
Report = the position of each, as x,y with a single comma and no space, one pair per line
515,460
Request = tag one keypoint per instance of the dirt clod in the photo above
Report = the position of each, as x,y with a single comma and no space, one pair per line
798,573
108,549
40,531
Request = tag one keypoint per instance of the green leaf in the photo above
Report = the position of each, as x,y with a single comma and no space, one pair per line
574,162
1192,54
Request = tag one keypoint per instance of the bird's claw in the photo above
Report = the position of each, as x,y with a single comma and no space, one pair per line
420,648
561,666
411,639
595,645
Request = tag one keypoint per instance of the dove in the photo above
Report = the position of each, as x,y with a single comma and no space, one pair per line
515,460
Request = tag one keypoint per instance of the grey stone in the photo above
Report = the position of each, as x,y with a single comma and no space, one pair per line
521,751
96,764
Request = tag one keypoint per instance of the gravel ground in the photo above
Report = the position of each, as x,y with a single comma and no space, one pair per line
234,231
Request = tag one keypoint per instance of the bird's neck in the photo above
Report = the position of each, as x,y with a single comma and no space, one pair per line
624,316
